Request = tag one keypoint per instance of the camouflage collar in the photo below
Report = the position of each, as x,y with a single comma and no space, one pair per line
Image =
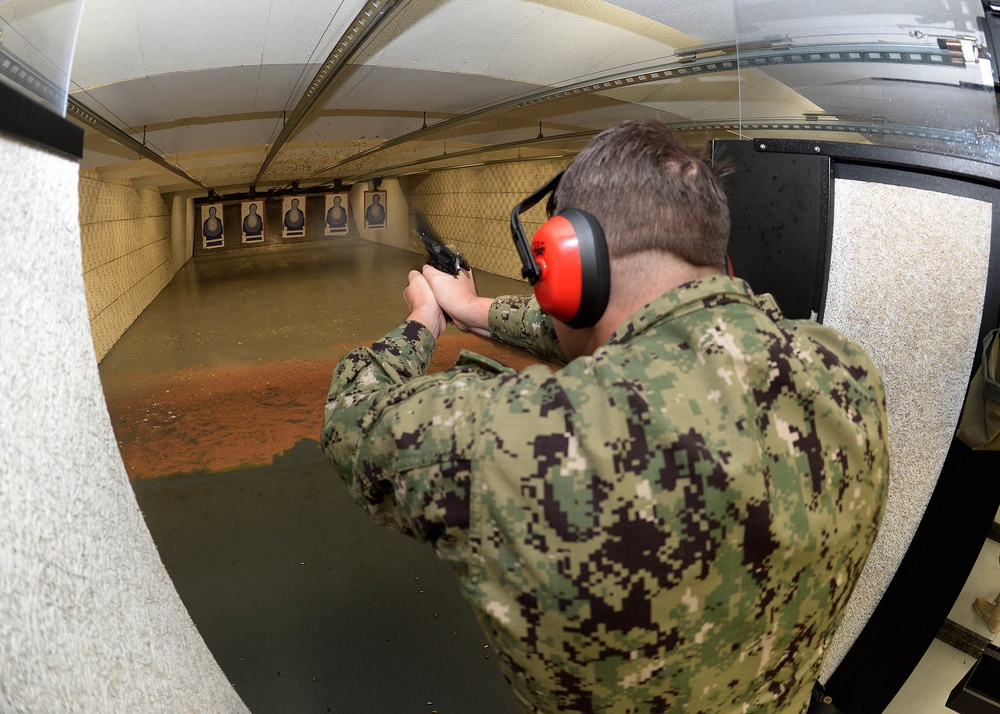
712,291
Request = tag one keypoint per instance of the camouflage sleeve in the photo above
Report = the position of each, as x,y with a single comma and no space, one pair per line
518,320
402,440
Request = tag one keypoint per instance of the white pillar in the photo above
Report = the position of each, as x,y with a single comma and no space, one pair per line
89,620
179,230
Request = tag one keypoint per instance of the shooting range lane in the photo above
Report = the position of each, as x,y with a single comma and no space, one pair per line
230,365
241,414
216,395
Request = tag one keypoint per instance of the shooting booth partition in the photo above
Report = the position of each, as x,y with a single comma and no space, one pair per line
782,204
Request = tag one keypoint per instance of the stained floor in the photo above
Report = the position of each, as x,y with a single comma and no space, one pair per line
216,395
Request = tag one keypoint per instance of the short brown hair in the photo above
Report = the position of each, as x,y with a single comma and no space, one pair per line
649,192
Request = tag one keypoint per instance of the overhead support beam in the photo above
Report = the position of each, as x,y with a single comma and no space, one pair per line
399,169
813,123
694,62
371,16
91,119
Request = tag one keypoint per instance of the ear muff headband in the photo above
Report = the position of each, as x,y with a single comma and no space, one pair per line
529,268
566,261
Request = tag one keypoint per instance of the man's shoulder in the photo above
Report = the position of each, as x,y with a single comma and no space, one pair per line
832,346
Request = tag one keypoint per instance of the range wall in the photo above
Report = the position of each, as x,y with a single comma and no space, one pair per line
89,619
911,291
469,209
394,231
125,237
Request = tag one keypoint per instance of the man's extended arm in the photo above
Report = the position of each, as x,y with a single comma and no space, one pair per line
404,441
516,320
386,430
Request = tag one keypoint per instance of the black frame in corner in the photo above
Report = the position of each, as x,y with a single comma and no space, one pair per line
960,512
25,118
958,516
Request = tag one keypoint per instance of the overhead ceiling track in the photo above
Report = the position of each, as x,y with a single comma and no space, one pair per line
398,173
869,126
371,16
94,120
876,126
398,169
942,54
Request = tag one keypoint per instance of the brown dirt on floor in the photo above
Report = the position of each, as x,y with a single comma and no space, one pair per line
244,414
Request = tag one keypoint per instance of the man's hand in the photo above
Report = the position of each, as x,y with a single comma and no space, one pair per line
423,306
457,296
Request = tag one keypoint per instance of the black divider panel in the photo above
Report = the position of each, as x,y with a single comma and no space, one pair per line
779,206
26,118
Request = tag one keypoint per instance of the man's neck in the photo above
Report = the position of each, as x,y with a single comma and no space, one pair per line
637,280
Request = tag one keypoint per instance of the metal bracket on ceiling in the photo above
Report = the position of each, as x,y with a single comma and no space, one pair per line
691,54
95,121
373,14
22,74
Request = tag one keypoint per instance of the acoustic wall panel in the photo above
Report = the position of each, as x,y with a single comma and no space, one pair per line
907,280
126,254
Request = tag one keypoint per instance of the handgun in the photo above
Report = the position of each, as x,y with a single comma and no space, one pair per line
442,258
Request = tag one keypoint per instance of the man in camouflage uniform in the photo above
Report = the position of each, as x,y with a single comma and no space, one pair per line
675,519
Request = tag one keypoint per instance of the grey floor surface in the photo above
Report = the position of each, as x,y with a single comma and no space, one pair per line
305,603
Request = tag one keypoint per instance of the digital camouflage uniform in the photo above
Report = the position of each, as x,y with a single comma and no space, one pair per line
675,522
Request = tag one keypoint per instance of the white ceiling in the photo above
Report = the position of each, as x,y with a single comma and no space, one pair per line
206,84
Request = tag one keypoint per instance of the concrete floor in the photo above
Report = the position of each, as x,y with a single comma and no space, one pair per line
216,395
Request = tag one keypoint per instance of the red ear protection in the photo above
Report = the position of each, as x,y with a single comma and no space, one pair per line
567,261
